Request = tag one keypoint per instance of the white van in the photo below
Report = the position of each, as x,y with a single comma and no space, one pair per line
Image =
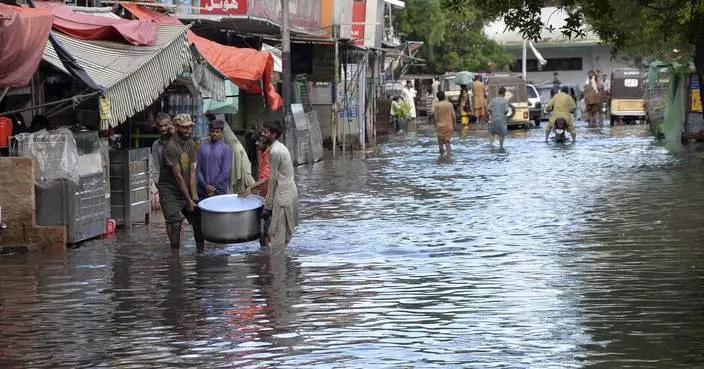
534,105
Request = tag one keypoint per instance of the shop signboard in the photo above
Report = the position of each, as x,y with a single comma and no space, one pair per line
230,7
695,121
304,14
695,102
359,15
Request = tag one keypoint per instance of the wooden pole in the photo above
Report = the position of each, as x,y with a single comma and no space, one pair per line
286,59
335,103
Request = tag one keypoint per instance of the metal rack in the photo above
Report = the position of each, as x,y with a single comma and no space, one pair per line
130,198
80,207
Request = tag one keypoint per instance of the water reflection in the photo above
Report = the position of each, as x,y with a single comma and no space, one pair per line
542,256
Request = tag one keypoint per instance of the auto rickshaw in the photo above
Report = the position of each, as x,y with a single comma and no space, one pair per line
627,101
516,94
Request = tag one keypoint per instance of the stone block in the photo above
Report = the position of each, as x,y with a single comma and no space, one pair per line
46,237
17,193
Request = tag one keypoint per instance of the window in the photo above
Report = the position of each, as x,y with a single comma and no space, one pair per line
557,64
448,84
532,93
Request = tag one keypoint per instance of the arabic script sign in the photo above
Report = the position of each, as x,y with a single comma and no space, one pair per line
231,7
304,14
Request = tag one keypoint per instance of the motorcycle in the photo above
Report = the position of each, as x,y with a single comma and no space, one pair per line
559,128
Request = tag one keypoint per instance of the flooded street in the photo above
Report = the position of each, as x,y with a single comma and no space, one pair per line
542,256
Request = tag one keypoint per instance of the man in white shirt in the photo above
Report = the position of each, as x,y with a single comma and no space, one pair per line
409,96
606,82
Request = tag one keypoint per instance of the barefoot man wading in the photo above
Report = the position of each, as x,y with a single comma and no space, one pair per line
444,117
177,184
282,195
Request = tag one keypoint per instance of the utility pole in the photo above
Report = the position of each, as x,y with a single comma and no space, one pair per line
336,83
524,62
286,59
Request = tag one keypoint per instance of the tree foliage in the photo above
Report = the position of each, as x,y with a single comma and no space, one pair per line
453,39
668,29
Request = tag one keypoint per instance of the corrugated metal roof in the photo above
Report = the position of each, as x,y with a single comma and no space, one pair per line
134,76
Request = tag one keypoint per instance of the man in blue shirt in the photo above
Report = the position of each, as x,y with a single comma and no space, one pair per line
214,163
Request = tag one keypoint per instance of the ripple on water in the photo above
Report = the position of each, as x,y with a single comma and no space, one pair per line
541,256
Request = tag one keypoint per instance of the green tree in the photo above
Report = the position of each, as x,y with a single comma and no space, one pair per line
452,40
668,29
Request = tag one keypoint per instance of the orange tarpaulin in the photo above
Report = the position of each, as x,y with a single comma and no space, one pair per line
23,34
244,66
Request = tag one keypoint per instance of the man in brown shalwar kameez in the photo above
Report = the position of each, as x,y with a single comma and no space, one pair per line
445,119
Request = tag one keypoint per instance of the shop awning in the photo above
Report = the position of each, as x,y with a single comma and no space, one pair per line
92,27
24,33
204,77
245,67
133,76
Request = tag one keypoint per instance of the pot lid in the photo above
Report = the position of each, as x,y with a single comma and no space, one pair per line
231,203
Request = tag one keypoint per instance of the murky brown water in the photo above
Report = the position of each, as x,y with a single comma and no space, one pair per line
543,256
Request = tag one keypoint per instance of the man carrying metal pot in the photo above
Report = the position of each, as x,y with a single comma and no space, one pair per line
177,184
282,195
261,184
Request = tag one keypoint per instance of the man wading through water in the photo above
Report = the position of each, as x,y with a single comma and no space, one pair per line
177,184
445,119
166,129
282,196
261,184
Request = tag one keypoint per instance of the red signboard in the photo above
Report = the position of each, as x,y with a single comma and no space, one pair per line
304,14
359,16
231,7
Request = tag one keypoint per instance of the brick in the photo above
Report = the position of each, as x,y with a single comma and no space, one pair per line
17,193
45,236
19,208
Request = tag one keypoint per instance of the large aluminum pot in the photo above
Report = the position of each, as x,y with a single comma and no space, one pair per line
231,218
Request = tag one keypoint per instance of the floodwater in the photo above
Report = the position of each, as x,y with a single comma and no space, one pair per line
541,256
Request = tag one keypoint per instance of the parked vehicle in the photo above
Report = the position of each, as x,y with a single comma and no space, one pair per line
534,105
452,90
516,94
627,99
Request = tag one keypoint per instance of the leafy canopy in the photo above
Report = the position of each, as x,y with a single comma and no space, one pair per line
452,36
644,28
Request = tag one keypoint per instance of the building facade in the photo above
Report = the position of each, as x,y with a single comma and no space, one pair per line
571,59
